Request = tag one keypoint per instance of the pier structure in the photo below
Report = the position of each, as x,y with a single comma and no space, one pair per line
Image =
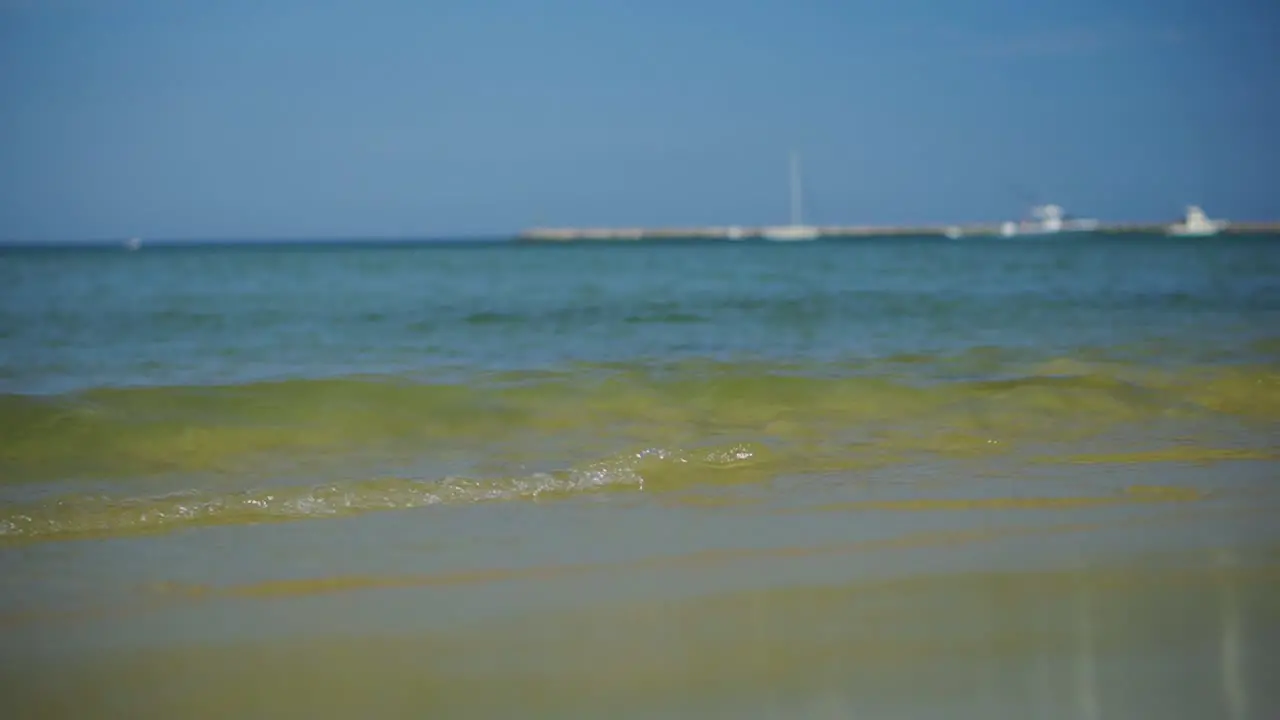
731,233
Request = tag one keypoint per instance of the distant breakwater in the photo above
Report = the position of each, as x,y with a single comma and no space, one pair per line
731,232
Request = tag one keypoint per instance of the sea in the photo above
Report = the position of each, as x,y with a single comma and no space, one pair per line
873,478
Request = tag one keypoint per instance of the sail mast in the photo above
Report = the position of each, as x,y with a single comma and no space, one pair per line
795,189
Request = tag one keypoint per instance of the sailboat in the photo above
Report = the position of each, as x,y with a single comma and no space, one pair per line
797,230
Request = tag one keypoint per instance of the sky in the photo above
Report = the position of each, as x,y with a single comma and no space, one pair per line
449,118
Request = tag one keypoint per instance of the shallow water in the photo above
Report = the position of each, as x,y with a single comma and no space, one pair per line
896,478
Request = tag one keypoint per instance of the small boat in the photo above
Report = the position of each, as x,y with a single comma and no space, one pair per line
789,233
1196,224
133,244
1047,220
797,230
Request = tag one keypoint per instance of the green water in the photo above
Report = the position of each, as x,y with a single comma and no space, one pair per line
885,478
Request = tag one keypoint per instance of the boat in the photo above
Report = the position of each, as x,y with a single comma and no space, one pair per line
133,244
797,230
1196,224
1047,220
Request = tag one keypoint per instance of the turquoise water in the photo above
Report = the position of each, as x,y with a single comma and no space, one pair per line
901,477
222,315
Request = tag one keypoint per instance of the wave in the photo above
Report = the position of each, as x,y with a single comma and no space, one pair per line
81,515
117,432
108,460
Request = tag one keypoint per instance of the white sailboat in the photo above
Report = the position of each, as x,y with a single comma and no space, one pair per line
797,230
1196,224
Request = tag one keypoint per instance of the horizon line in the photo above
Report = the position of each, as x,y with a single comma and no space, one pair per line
259,239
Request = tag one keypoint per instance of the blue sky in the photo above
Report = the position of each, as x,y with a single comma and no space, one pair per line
303,118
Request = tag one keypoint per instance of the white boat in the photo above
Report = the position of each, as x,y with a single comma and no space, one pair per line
133,244
1196,224
1047,220
789,233
797,230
